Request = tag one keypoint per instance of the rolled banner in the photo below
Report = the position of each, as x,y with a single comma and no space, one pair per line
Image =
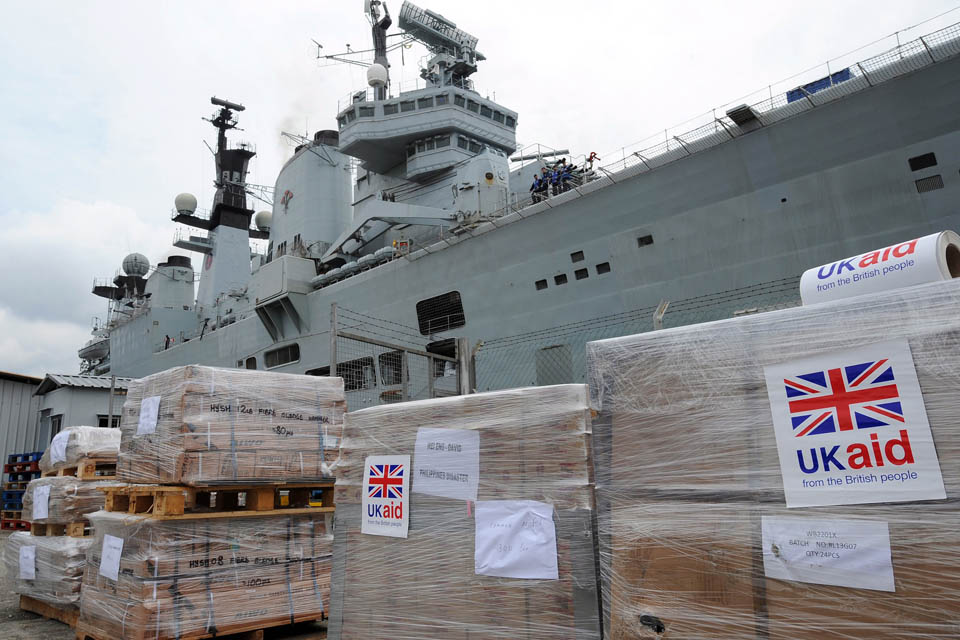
927,259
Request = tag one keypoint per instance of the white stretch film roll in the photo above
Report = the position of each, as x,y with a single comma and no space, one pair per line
927,259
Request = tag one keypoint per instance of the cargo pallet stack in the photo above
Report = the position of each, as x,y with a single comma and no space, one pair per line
20,469
47,562
228,527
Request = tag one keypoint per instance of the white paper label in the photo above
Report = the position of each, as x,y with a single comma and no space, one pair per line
149,409
851,428
386,483
41,502
28,563
58,447
515,539
447,463
842,553
110,556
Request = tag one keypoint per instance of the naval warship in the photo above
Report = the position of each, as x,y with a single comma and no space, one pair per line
417,210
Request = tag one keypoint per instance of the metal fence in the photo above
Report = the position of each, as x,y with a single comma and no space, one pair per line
383,362
558,355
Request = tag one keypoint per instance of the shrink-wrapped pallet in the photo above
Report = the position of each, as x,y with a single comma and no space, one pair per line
48,568
75,444
150,578
783,475
62,500
474,458
201,425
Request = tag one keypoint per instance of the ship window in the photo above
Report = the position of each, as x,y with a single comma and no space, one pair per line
498,117
421,146
643,241
576,256
282,356
459,100
475,147
581,274
351,115
541,285
462,142
424,103
252,362
929,184
473,106
319,371
391,367
443,141
440,313
443,99
511,122
341,121
357,374
603,267
486,111
431,144
390,109
560,279
446,347
407,105
366,112
411,150
925,161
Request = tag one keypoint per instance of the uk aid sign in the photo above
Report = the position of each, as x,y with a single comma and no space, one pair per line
851,428
386,488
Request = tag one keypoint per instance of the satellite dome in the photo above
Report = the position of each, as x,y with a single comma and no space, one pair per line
263,220
185,203
376,75
136,264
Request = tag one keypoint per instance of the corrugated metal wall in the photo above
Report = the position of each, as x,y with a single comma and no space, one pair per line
19,419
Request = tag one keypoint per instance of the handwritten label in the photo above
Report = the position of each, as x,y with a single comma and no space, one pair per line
41,502
843,553
110,557
58,447
28,563
515,539
149,409
446,463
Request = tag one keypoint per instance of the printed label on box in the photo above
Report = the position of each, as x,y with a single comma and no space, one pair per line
110,557
149,410
28,563
447,463
842,553
515,539
386,482
58,447
41,502
851,428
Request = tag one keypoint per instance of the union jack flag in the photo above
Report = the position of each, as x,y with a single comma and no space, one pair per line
386,481
860,396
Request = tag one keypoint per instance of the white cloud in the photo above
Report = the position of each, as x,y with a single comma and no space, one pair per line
36,347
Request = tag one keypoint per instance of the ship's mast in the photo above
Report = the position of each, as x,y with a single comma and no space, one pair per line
380,26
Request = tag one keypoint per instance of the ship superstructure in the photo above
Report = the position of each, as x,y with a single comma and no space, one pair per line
410,212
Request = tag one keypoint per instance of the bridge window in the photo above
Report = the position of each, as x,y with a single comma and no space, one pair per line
486,111
407,105
440,313
366,112
925,161
459,100
475,147
390,109
425,103
351,115
443,141
357,374
443,99
511,122
498,117
411,150
421,146
473,106
462,142
283,355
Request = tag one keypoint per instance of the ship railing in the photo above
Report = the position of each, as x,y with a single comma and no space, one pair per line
202,214
397,88
891,57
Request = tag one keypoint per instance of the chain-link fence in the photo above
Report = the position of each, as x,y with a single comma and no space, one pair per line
382,361
558,355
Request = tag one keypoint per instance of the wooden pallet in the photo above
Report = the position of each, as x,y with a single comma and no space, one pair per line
166,502
67,616
87,470
11,515
15,486
303,628
73,529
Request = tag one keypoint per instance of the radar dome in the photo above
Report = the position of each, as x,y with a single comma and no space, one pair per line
136,264
376,75
185,203
263,220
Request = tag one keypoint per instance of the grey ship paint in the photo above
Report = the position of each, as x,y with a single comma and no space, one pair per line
863,158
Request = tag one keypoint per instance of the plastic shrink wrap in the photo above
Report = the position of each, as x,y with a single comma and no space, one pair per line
56,563
74,444
533,446
67,499
696,538
149,578
202,425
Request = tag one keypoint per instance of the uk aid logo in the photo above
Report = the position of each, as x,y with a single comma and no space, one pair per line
851,428
386,481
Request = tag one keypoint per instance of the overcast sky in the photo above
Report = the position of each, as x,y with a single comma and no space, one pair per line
100,107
